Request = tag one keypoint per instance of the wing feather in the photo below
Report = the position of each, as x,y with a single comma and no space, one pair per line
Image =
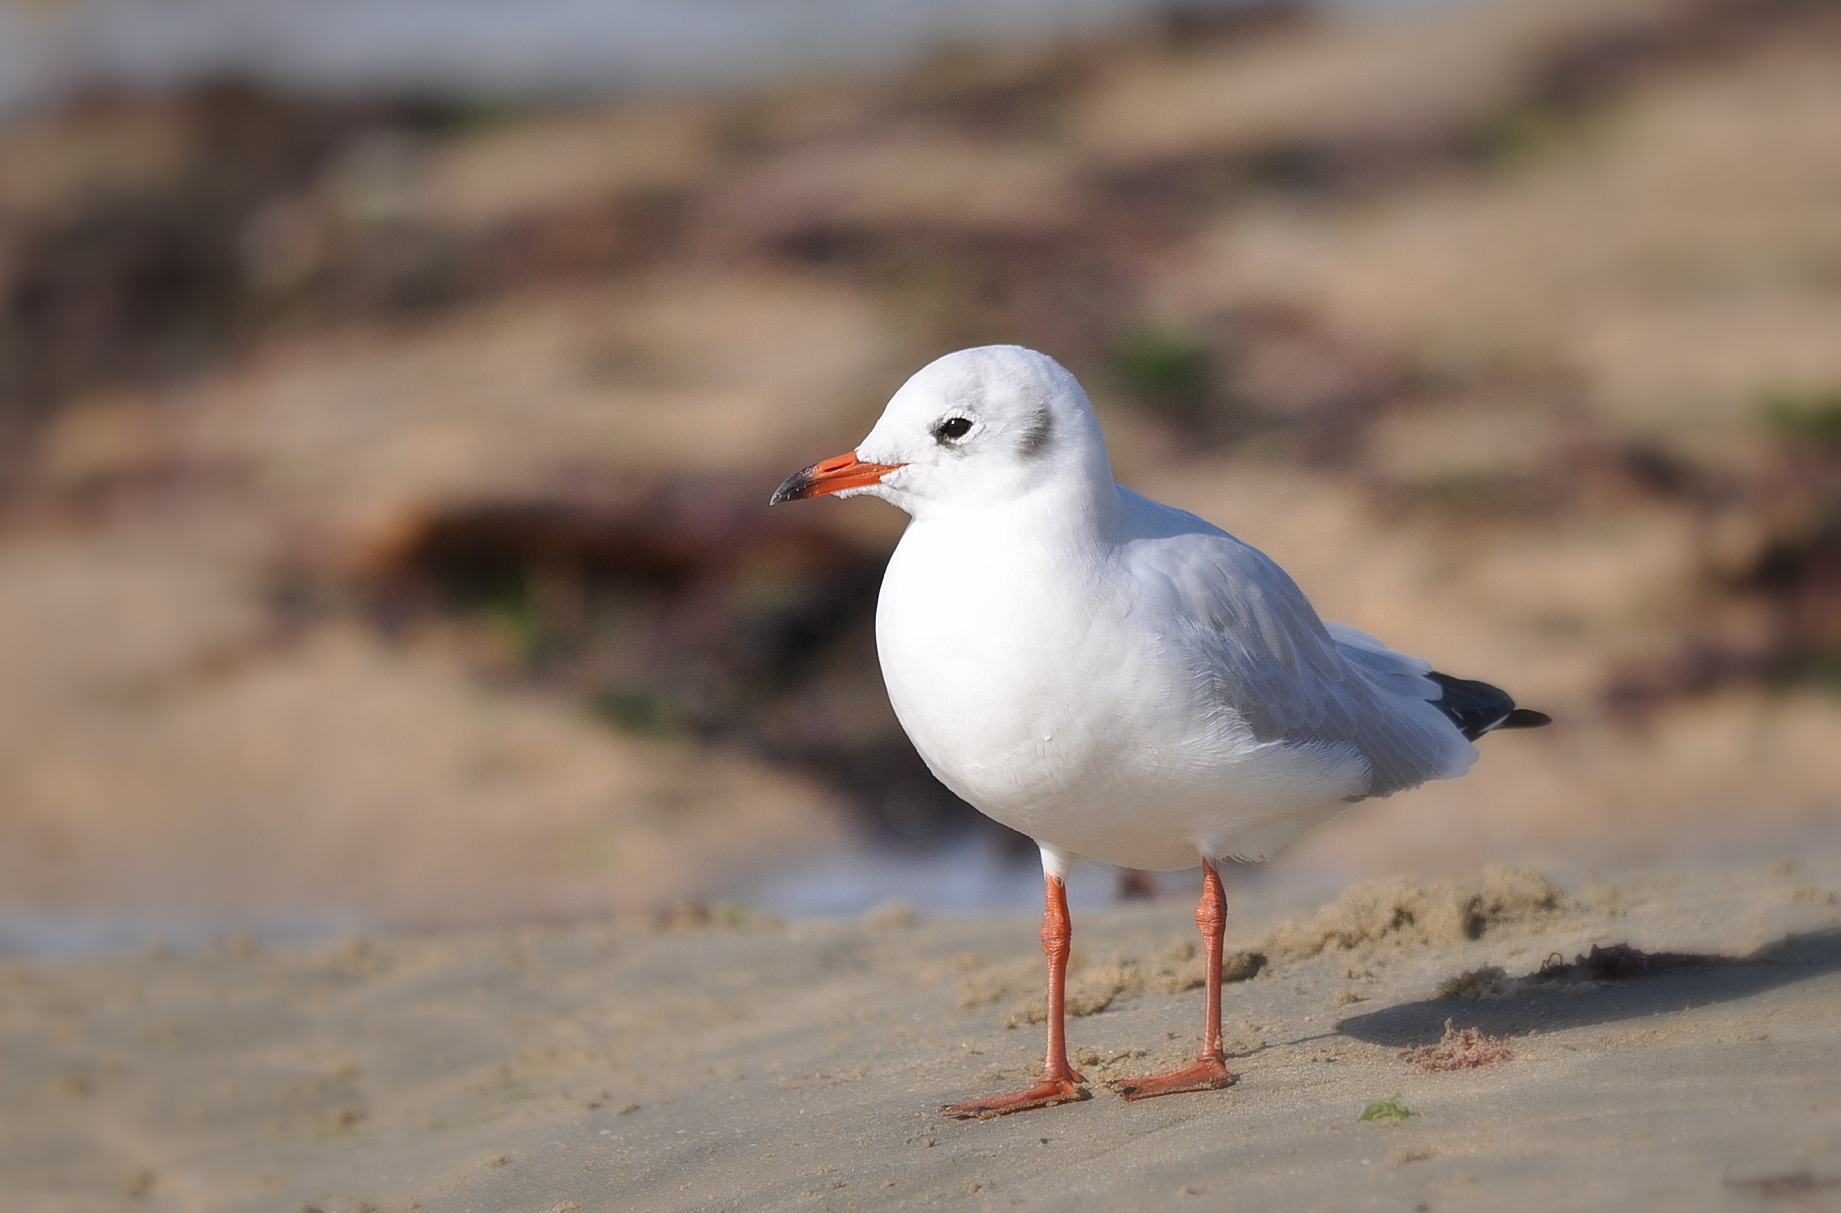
1269,660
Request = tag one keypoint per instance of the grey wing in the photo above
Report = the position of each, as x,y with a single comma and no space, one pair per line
1269,659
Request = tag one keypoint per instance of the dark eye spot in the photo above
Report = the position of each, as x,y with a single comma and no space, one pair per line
952,427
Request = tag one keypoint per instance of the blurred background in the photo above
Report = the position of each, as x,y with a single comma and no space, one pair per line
390,394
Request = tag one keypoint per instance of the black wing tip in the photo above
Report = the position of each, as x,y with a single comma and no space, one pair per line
1477,708
1525,718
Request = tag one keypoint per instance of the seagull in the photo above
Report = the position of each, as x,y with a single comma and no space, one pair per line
1115,678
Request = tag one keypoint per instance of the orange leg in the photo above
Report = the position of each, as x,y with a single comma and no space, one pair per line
1209,1072
1060,1084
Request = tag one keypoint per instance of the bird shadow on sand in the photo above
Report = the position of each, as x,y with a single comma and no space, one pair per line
1552,1005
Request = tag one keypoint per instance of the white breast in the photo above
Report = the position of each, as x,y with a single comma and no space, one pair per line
985,663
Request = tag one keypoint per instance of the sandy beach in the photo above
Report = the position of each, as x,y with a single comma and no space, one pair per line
743,1063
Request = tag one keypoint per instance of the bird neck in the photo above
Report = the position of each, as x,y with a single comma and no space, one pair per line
1070,516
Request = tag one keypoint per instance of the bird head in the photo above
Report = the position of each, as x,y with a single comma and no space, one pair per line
970,430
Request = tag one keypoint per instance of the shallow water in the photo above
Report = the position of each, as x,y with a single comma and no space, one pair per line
970,877
540,48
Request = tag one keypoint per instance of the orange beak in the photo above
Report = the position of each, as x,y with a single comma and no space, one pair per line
838,472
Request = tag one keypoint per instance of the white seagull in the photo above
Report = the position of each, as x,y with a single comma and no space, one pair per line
1113,677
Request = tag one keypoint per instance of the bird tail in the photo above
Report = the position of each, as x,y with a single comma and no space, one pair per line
1477,708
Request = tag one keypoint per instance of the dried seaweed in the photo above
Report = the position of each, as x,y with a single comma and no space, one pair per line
1620,962
1459,1049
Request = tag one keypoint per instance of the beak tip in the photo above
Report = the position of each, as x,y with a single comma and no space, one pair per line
793,488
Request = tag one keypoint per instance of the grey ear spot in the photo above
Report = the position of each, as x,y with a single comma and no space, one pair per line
1041,429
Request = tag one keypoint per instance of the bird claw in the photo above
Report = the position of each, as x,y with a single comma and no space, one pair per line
1204,1075
1044,1094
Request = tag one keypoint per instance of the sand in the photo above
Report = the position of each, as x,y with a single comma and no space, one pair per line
751,1064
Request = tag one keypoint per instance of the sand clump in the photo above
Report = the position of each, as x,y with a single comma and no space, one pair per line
1404,911
894,914
1489,982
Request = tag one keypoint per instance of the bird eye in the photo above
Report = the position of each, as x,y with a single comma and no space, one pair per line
952,427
